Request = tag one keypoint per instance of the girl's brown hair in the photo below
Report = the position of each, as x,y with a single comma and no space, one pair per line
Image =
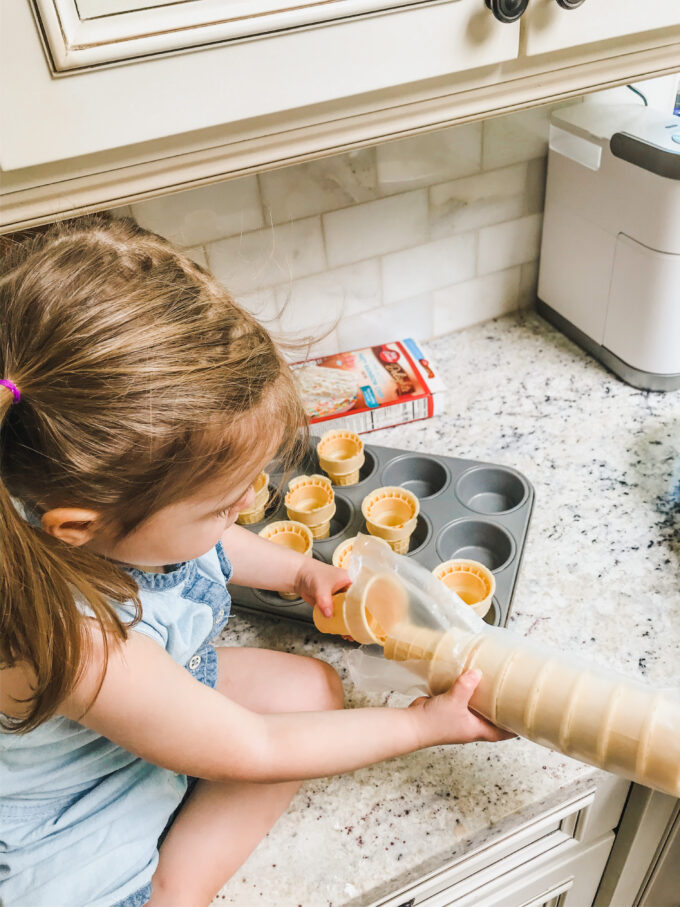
140,379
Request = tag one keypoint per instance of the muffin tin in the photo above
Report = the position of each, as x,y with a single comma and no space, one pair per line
468,509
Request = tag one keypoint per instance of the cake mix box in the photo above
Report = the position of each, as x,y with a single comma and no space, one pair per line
376,387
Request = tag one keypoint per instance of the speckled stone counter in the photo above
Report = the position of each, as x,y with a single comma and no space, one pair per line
600,576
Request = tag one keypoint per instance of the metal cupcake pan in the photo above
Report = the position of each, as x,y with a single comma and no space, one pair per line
468,509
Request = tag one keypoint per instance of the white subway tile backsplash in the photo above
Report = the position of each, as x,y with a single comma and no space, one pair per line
427,267
270,256
478,201
408,318
430,158
476,300
377,227
263,305
528,284
535,190
417,236
325,297
319,186
197,254
516,137
201,215
505,245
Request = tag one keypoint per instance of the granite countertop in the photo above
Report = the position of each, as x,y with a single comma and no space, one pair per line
599,577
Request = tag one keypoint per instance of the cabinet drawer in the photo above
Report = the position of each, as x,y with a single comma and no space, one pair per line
571,874
546,27
545,842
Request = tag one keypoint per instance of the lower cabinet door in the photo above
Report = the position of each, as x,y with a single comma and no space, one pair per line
568,876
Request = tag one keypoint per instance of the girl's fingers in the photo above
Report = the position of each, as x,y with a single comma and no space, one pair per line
465,686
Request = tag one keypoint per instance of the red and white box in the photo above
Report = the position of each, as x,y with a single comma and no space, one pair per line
377,387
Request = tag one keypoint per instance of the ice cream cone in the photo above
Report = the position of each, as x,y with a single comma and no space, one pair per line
391,513
310,500
471,581
341,455
293,535
343,552
257,511
408,642
366,612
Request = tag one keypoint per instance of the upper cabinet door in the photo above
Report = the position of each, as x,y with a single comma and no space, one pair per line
142,70
547,27
84,33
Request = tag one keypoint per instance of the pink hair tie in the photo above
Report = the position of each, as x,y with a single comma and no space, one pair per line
12,386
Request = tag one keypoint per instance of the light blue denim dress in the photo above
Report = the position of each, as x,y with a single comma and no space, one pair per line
80,817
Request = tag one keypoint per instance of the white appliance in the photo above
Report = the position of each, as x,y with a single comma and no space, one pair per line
609,273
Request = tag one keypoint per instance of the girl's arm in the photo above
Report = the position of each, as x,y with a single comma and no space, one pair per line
264,565
152,707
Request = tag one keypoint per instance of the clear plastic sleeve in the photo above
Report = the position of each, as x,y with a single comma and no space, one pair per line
422,636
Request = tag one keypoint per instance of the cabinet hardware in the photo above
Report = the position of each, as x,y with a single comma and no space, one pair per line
569,4
507,10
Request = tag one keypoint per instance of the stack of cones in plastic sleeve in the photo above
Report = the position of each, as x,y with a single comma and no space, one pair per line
256,512
310,500
341,456
555,699
293,535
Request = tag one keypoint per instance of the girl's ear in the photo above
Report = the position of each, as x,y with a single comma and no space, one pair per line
72,525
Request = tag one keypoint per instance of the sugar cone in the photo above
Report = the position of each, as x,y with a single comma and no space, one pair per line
391,513
341,455
293,535
471,581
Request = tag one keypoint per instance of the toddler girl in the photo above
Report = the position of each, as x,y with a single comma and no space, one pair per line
138,403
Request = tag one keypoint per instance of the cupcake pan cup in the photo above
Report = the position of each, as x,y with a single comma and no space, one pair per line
457,519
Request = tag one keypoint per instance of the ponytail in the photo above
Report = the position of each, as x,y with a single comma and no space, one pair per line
41,579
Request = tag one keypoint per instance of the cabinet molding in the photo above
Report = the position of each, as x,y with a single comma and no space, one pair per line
37,195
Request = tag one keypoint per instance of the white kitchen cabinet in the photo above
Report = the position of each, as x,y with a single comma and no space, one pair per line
130,99
555,859
166,85
547,28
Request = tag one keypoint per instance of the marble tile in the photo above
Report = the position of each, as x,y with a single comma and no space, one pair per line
201,215
408,318
476,300
319,186
122,211
323,298
535,190
519,136
433,157
197,254
528,284
263,305
488,198
422,268
512,243
375,228
270,256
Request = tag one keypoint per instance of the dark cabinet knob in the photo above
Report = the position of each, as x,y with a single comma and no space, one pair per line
507,10
569,4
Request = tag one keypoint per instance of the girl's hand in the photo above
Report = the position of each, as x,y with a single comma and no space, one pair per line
447,718
317,582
